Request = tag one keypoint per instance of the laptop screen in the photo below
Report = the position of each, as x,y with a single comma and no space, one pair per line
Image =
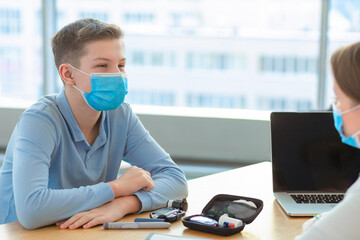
307,154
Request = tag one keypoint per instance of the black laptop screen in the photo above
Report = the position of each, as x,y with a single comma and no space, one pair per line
307,153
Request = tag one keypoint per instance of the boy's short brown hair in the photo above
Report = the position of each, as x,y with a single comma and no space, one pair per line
68,44
345,64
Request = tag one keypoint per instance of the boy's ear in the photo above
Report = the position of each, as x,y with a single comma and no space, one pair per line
66,74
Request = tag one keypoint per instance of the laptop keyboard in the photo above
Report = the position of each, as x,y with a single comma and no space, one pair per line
317,198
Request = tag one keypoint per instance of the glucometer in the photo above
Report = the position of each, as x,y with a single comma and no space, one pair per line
174,211
204,220
169,214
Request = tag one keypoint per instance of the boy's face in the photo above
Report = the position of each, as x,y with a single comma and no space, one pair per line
103,56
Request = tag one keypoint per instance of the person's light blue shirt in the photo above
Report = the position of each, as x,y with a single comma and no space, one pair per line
50,172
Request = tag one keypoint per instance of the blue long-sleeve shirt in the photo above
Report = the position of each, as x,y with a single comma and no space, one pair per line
50,172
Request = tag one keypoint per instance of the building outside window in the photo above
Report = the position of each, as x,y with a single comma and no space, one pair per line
96,15
190,53
10,21
20,52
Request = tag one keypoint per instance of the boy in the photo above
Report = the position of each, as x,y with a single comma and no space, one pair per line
65,152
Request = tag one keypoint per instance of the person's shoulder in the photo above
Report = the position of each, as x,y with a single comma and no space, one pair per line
124,110
125,107
43,102
45,105
123,115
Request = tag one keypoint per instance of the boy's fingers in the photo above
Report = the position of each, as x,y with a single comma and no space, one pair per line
60,222
71,220
80,222
94,222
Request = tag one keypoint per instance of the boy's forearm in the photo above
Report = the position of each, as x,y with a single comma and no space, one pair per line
167,188
129,204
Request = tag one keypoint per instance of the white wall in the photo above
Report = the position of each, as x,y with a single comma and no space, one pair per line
218,135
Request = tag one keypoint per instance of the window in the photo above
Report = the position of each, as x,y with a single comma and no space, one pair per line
301,65
10,21
282,104
137,58
136,18
215,61
152,58
96,15
215,101
146,97
20,51
189,19
344,28
288,64
157,59
201,50
207,53
10,70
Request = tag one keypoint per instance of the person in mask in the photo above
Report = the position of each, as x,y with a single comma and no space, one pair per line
62,161
342,221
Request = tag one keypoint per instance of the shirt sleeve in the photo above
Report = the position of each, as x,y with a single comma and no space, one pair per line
36,204
339,223
143,151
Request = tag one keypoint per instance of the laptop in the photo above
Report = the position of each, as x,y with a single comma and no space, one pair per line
311,168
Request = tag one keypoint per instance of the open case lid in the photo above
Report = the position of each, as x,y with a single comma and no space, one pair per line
225,200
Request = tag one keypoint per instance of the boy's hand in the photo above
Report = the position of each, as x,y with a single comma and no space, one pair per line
133,180
109,212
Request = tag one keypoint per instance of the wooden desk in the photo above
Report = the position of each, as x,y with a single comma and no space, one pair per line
252,181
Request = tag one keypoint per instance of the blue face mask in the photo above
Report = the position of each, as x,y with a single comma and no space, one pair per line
338,122
108,90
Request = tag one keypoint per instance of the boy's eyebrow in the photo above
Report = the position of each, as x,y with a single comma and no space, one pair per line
105,59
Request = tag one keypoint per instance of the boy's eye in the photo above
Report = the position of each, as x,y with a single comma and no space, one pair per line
121,66
102,65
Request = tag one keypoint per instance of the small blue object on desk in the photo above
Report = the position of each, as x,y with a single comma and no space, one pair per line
149,220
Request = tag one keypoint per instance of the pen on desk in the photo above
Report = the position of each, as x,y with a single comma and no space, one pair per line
134,225
149,220
316,216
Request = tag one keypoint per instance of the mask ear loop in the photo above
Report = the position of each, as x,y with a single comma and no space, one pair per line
75,82
82,93
339,112
74,86
357,141
335,109
79,70
355,136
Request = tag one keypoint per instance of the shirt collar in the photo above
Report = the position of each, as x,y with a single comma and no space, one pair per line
74,128
65,110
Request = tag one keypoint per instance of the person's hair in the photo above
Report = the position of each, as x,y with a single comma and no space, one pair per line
68,45
345,63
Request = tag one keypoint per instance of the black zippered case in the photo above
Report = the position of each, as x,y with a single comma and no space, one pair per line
229,204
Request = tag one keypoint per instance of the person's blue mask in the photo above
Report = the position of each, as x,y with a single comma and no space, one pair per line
108,90
338,122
